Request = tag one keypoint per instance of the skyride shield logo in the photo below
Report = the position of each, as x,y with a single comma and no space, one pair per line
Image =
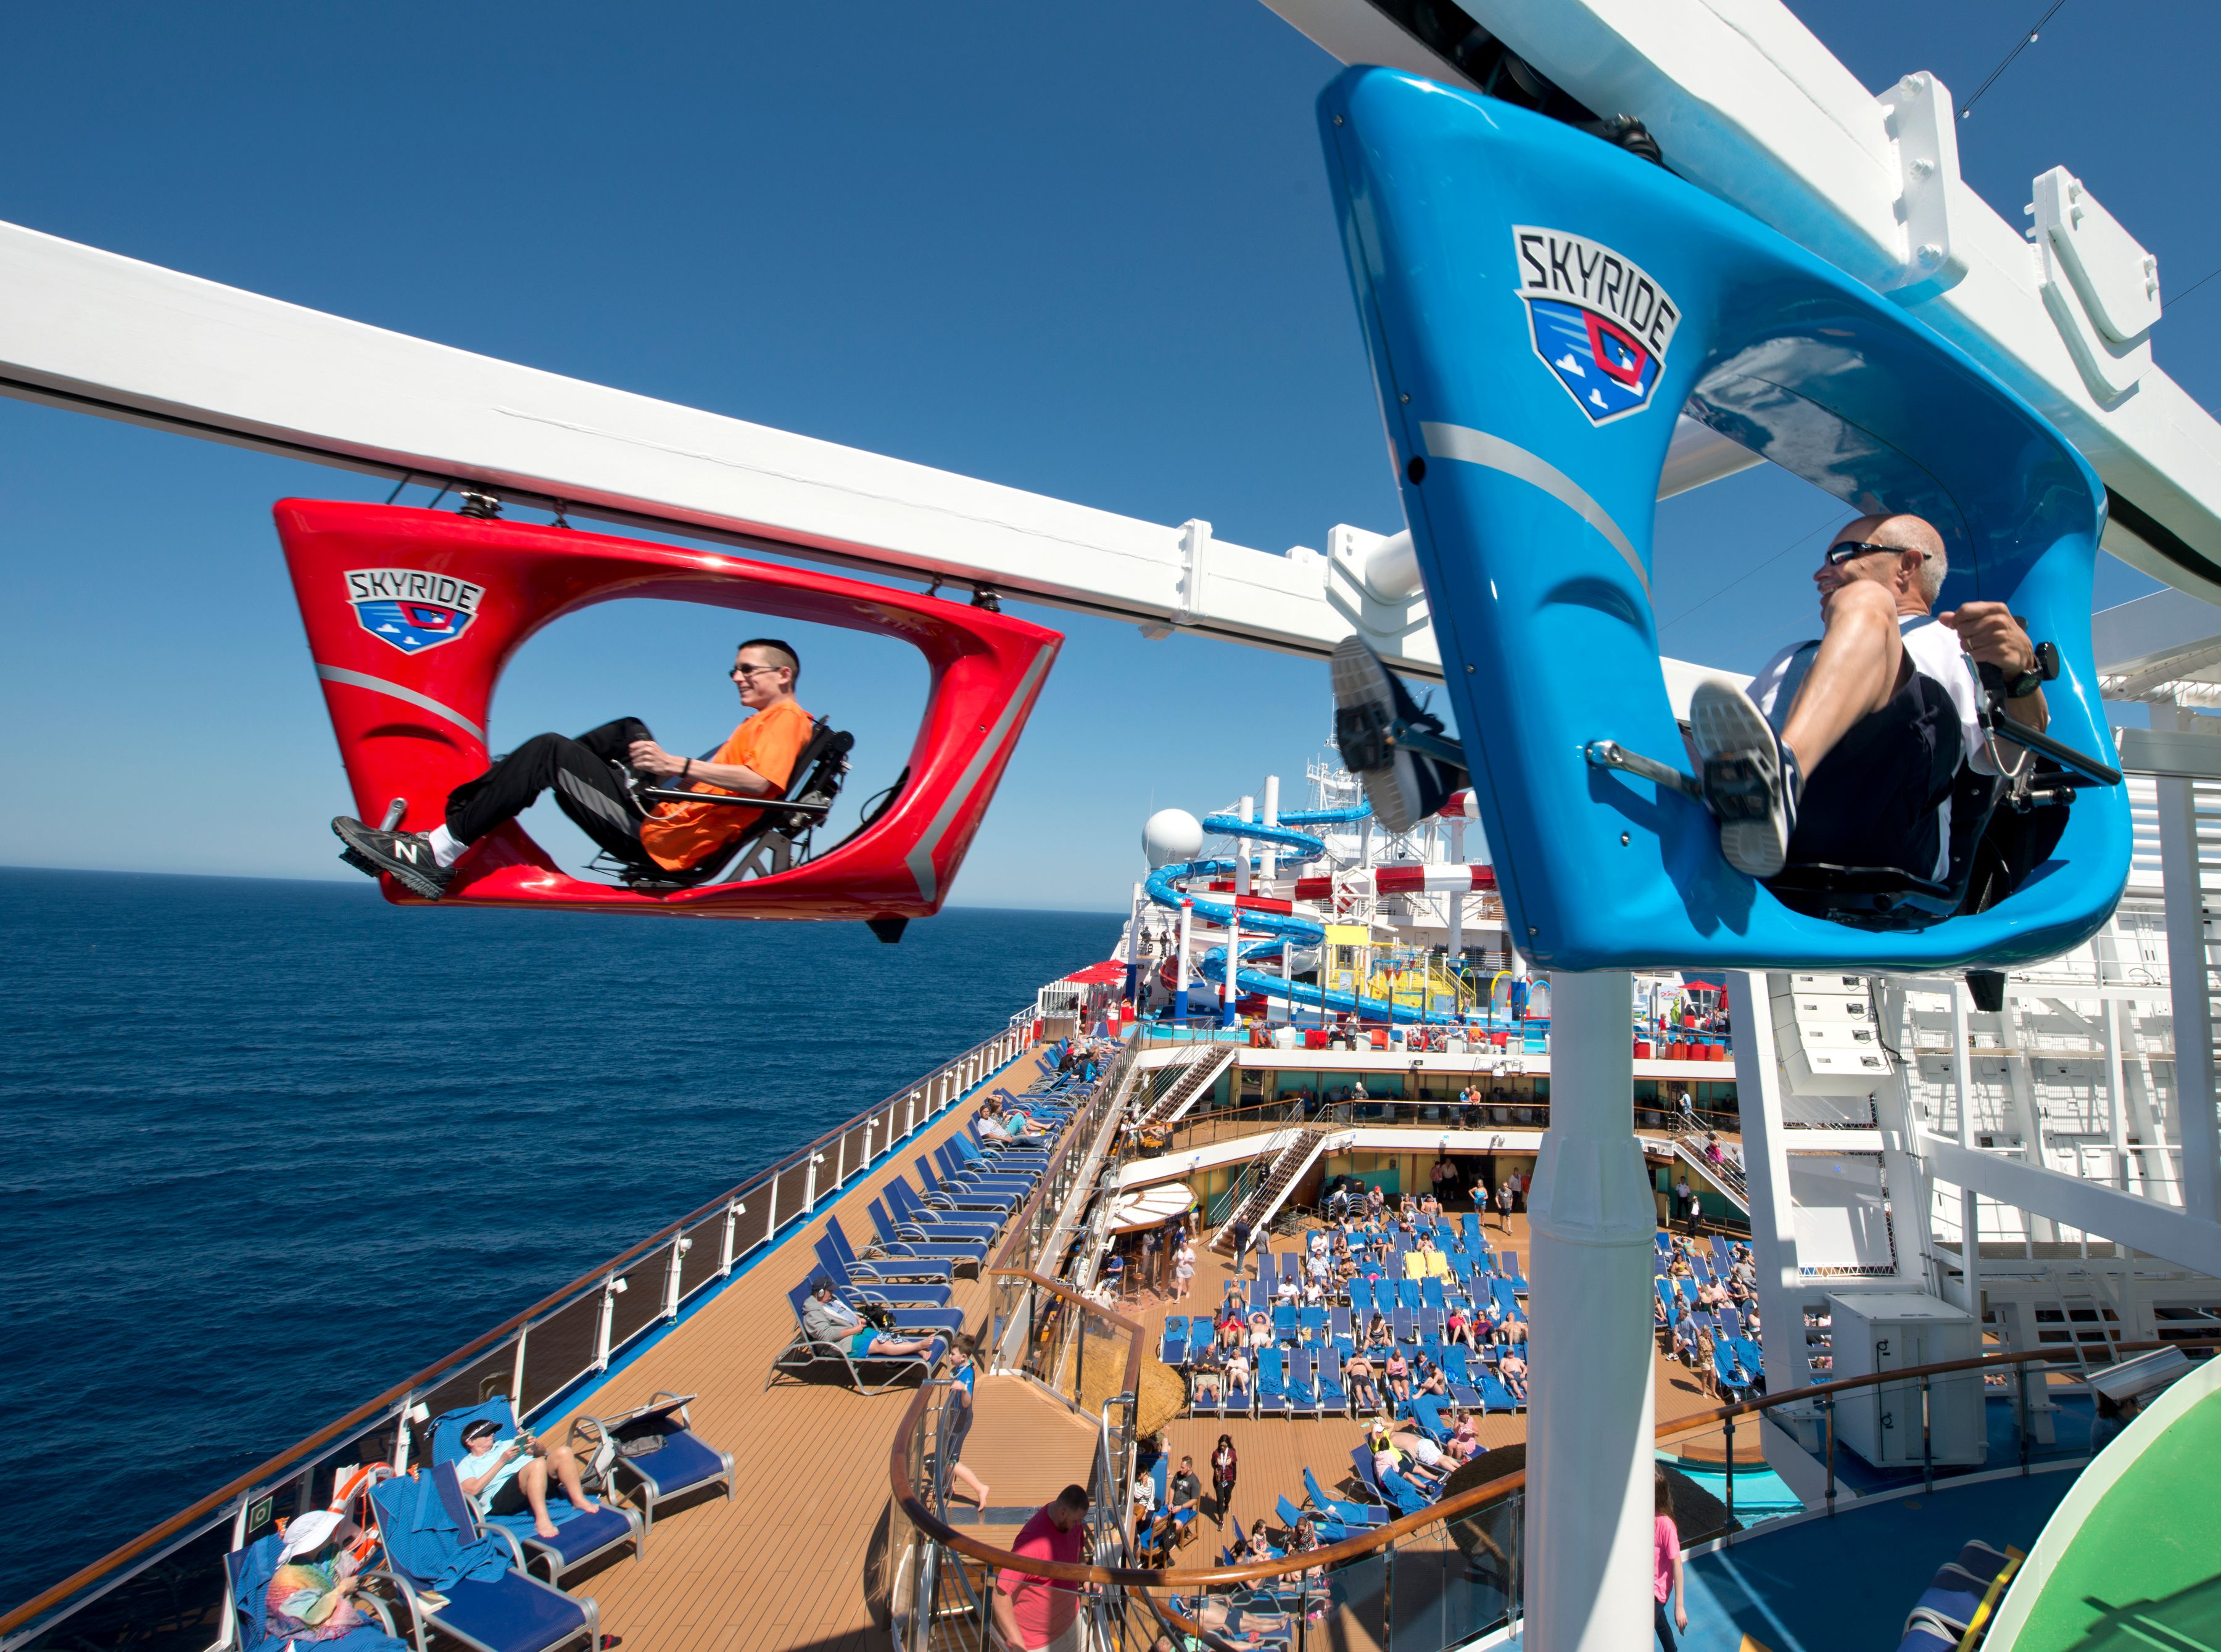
1600,324
412,610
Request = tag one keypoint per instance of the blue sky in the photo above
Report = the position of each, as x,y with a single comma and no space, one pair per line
1013,241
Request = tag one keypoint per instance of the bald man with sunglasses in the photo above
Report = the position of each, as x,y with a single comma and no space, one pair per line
1844,749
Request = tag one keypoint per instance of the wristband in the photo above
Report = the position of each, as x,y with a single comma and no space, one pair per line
686,769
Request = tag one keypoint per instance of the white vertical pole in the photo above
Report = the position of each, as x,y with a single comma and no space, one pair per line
1970,1202
1134,945
1272,856
2116,1101
1765,1174
2188,983
1227,990
1180,962
1590,1453
1241,850
1458,892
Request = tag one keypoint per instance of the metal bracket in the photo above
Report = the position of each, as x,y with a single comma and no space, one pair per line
1917,113
1610,754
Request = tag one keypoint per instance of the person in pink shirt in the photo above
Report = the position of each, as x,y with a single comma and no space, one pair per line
1666,1571
1032,1614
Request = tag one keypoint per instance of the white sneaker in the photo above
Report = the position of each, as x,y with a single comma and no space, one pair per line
1750,779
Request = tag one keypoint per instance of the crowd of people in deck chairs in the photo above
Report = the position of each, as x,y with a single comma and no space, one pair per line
882,1312
1370,1316
1705,1311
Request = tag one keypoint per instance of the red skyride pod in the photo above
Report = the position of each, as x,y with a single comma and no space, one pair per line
412,614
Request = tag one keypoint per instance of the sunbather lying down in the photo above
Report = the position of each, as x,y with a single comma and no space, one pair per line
508,1477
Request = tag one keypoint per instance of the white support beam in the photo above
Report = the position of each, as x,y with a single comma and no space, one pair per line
1746,102
2078,1202
88,330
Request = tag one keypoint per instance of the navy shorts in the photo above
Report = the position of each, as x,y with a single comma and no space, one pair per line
1876,798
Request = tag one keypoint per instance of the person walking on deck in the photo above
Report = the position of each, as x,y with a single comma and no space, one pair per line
1032,1614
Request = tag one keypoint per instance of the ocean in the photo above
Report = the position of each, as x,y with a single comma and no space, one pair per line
272,1146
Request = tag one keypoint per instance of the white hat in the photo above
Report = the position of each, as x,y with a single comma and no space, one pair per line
308,1534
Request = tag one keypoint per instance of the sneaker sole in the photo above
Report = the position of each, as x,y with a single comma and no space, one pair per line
1361,680
361,855
1722,721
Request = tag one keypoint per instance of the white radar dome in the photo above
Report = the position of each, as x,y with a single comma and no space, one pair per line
1170,835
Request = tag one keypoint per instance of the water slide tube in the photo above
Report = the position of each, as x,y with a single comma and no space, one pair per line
1275,929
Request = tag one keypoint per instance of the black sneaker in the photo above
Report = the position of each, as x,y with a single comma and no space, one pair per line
1750,779
1403,786
406,856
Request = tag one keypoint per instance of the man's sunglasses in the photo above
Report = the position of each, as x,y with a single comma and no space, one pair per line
1837,554
750,671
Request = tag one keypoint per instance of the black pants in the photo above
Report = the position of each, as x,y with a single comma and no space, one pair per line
1663,1620
585,787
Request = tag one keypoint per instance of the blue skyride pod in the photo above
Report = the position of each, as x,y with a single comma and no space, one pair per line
1539,305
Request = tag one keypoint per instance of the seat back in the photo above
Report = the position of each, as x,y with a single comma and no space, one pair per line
447,1427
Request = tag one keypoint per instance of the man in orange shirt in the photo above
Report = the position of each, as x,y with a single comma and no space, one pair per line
757,759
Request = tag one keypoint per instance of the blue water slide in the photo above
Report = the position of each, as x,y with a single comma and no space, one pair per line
1275,929
1538,305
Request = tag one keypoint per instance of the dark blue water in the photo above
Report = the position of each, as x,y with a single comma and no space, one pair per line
271,1147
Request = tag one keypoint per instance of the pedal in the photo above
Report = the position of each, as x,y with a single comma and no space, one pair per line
1610,754
1362,733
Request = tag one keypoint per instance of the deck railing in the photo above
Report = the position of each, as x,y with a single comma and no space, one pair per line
1443,1575
164,1588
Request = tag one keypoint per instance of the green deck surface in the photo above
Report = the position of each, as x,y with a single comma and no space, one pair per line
2144,1569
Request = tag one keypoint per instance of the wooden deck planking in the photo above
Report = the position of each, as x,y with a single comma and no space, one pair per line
781,1565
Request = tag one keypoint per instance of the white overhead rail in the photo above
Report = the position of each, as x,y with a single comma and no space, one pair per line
1745,101
89,331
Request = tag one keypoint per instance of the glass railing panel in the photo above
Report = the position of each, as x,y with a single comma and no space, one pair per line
1480,1570
640,1305
1352,1617
480,1381
559,1350
174,1605
698,1267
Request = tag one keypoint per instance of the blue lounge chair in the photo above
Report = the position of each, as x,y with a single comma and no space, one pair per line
1431,1294
491,1607
1752,1358
1272,1384
955,1173
911,1269
1238,1400
1507,1268
1312,1323
1731,1321
1427,1411
1302,1384
1406,1326
941,1223
1261,1292
1726,1371
1358,1515
1344,1332
1722,1258
1430,1325
1408,1295
579,1535
682,1464
1285,1324
1457,1367
802,1356
946,1196
1469,1224
908,1240
1401,1494
1333,1397
1172,1346
1507,1296
1360,1297
1361,1459
1494,1396
972,1142
853,1289
1200,1405
246,1574
950,1157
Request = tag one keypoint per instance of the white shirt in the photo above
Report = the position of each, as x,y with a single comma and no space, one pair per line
1935,653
